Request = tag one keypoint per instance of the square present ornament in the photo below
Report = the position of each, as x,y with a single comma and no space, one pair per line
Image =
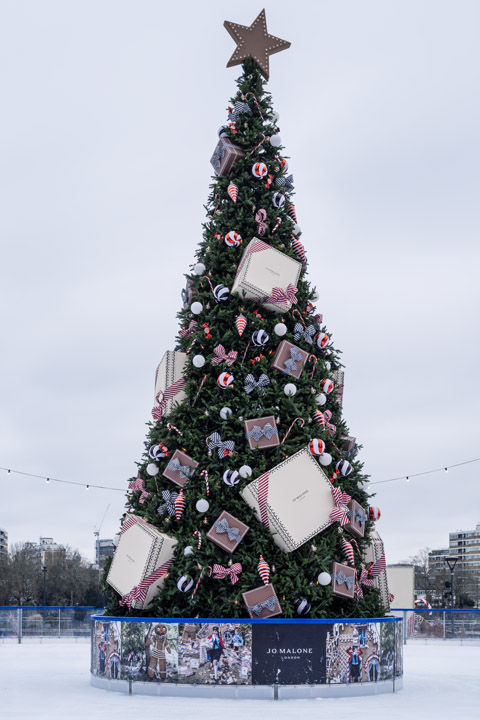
140,550
356,519
267,276
343,580
289,359
375,553
224,155
262,602
227,531
339,380
293,499
180,467
262,432
168,380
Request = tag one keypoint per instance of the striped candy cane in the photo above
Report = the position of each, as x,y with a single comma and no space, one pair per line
245,353
172,427
291,426
205,474
199,534
257,146
198,393
297,312
256,103
205,277
278,222
314,359
200,577
187,351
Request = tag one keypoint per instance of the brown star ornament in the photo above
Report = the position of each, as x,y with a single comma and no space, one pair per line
254,41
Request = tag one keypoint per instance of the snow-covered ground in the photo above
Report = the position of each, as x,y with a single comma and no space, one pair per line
50,681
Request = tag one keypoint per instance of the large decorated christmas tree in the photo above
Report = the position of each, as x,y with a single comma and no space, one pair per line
249,498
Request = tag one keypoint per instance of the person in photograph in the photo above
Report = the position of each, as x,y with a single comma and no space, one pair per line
101,658
157,642
215,649
354,663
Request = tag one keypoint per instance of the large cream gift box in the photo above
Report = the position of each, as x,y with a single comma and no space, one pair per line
140,550
374,551
294,499
170,371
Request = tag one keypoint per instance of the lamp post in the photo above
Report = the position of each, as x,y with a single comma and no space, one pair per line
451,562
44,570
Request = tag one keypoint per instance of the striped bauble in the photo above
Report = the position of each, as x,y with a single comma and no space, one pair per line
344,467
326,386
260,338
302,606
221,292
225,379
316,446
374,513
259,170
231,477
233,239
185,583
322,339
278,200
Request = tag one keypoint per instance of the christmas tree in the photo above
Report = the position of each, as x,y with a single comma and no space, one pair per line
250,477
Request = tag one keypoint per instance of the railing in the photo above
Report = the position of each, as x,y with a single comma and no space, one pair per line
24,621
445,624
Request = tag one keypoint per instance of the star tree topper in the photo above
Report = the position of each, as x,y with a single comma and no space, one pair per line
254,41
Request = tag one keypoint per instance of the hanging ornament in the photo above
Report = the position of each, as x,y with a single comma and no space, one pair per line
275,141
259,170
348,550
198,534
185,583
284,165
299,249
319,418
196,308
328,366
280,329
264,570
316,446
152,469
245,471
260,338
199,269
233,239
324,578
297,230
179,505
221,293
290,389
225,379
374,513
221,131
325,459
344,467
231,477
240,324
326,386
225,413
278,200
198,361
260,217
202,505
321,399
321,340
232,190
302,606
188,550
158,451
292,212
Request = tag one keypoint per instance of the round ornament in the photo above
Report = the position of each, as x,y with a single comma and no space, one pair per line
221,131
198,361
188,550
321,340
321,399
344,467
324,578
152,469
225,413
275,141
290,389
225,379
326,386
325,459
221,293
278,200
328,365
280,329
196,308
284,165
202,505
297,230
157,451
316,446
231,477
302,606
260,338
259,170
233,239
199,269
245,471
374,513
185,583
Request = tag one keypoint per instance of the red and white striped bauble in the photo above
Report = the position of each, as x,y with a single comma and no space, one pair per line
316,446
319,417
259,170
348,550
225,379
241,324
233,239
292,212
264,570
179,505
326,386
322,339
284,165
232,190
374,513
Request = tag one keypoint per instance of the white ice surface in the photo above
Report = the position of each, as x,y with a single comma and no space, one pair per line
51,681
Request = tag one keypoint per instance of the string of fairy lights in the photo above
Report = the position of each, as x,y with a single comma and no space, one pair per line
87,486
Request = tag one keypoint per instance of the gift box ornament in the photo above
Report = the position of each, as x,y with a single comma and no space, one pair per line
180,468
356,519
227,531
289,359
339,379
224,155
262,602
293,500
262,432
348,444
267,276
140,562
343,580
374,559
169,383
188,293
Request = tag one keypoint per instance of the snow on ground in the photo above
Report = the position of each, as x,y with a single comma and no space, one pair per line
51,682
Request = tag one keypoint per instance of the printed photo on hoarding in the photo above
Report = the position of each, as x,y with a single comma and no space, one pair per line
107,649
150,651
215,654
353,653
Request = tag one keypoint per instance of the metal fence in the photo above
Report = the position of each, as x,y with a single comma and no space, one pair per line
17,622
433,624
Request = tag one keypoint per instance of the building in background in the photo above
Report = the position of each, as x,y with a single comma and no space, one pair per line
464,547
103,550
3,541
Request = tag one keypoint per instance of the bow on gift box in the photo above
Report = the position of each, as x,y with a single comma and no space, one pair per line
340,511
139,484
225,449
239,109
340,578
268,604
267,431
184,470
139,592
186,331
286,182
217,156
358,516
363,580
221,355
169,504
222,526
283,297
307,333
251,383
168,394
219,572
260,218
328,416
291,363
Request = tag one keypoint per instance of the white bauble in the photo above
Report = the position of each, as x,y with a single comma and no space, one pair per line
325,459
321,399
297,230
202,505
188,550
225,413
275,141
280,329
290,389
245,471
152,469
196,308
199,269
198,361
328,365
276,116
324,578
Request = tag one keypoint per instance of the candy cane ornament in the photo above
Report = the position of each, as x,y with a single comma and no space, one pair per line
278,222
205,277
256,103
198,534
257,146
302,421
199,389
314,359
172,427
200,577
205,475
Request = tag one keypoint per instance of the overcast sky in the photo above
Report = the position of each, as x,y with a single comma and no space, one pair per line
110,111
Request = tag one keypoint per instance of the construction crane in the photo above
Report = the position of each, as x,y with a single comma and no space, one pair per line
99,527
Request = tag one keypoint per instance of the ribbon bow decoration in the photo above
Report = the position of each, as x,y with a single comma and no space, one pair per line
239,109
358,516
217,156
139,484
163,397
185,471
328,416
268,604
286,182
363,580
261,384
221,355
267,431
291,363
225,449
307,333
186,331
260,218
340,578
169,504
283,297
340,511
219,572
139,592
222,526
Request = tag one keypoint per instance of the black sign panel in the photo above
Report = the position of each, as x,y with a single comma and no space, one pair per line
289,654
